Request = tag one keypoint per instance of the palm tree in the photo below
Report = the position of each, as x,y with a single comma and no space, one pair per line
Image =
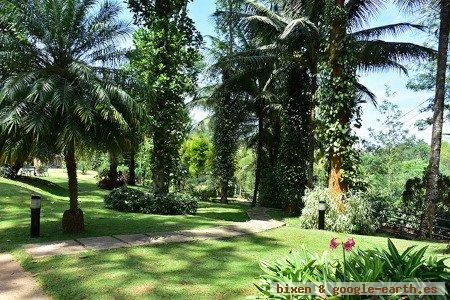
292,24
60,92
429,217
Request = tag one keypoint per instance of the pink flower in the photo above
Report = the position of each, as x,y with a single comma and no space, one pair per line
334,243
348,245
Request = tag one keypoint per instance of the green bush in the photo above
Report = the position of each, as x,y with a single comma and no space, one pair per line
372,265
171,204
126,200
357,215
131,200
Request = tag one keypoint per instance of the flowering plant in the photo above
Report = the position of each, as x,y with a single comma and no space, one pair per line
347,246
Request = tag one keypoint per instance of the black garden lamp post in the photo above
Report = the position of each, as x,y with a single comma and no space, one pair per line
322,215
35,207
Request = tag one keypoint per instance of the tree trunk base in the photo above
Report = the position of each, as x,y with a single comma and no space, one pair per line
73,221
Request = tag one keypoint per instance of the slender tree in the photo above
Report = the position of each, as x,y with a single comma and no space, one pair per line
58,91
225,120
429,216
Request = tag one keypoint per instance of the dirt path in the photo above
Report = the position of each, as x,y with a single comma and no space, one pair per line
15,283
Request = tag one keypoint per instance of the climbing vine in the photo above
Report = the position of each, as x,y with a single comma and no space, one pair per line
337,97
166,59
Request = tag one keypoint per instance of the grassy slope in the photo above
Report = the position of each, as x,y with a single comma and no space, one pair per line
15,212
220,269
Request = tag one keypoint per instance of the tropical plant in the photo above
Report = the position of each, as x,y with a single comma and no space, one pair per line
58,91
126,200
196,154
370,265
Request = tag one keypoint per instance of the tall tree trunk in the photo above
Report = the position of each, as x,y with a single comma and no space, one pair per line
112,173
311,132
224,191
338,31
160,174
132,169
224,184
428,218
259,153
161,170
73,219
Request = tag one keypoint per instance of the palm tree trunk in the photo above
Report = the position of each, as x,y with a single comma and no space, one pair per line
71,167
259,153
336,185
429,217
112,174
73,219
132,169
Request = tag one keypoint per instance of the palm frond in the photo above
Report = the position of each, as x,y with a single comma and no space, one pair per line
382,55
392,30
361,11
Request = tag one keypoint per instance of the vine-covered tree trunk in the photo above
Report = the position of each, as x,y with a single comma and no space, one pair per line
268,190
224,187
259,154
311,131
132,169
160,174
338,31
294,155
73,219
429,217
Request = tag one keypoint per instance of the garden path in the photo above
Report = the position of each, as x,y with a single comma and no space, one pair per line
259,221
15,283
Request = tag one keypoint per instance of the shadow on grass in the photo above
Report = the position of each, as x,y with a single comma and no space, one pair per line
199,270
15,216
45,185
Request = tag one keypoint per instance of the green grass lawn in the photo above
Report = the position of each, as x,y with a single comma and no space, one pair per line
15,212
215,269
220,269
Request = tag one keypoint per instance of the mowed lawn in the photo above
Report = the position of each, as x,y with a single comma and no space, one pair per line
99,221
214,269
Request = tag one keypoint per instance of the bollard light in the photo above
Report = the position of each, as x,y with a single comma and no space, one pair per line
322,209
35,207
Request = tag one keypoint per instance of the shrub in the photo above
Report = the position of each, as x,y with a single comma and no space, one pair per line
372,265
106,183
126,200
356,215
171,204
131,200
